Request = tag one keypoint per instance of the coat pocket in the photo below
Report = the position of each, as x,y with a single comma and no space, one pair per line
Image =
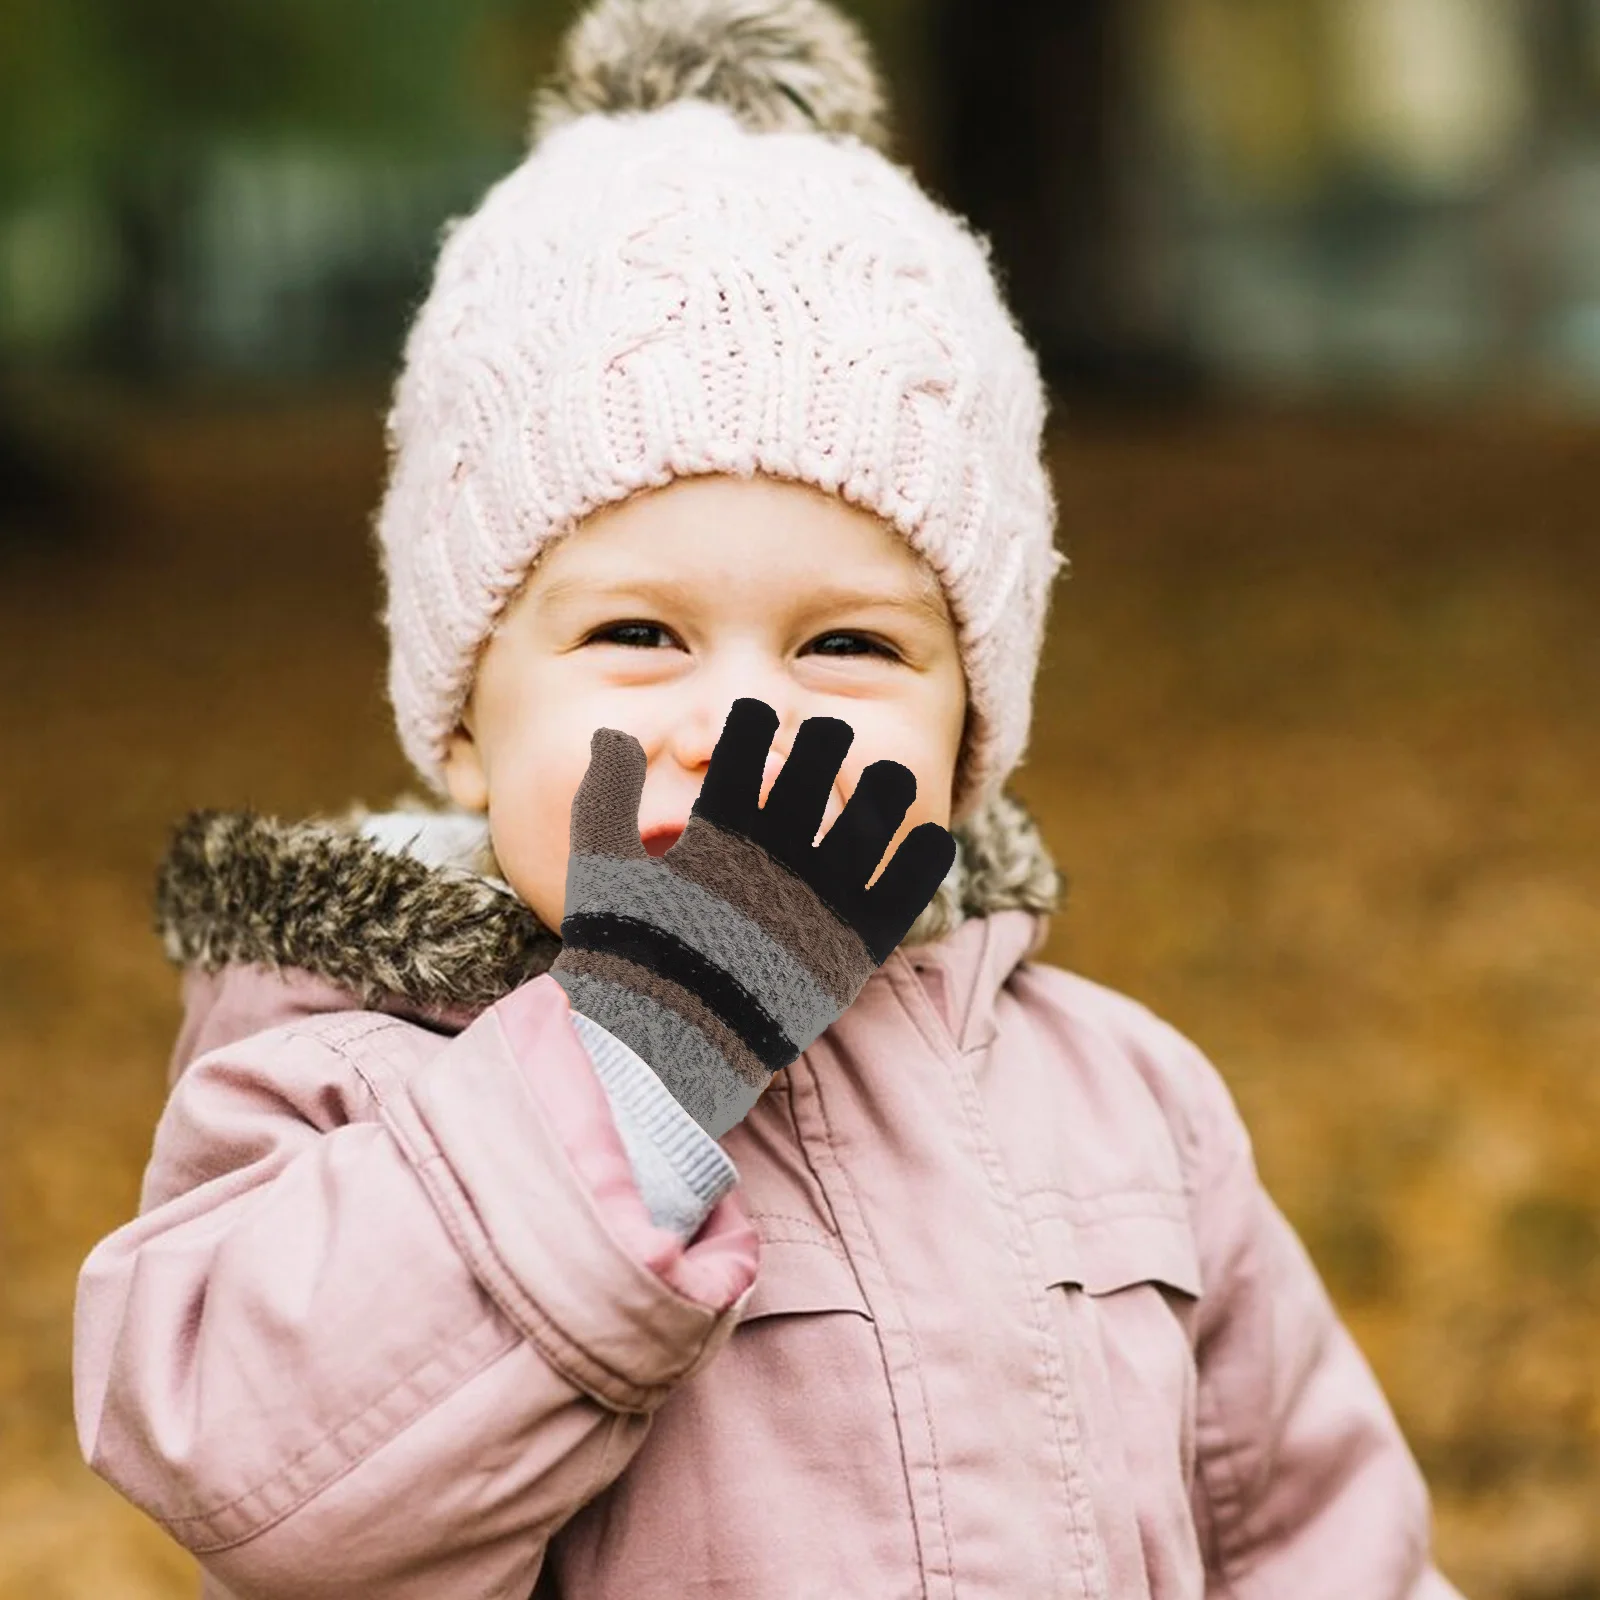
777,1469
1123,1279
800,1274
1111,1243
1124,1276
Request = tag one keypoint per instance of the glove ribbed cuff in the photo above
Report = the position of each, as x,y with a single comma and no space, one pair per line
680,1169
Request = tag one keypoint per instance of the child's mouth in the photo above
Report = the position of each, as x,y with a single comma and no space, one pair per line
662,840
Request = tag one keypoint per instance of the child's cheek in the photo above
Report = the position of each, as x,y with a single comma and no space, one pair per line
536,867
530,825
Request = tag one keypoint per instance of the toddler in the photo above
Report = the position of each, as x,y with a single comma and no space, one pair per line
656,1167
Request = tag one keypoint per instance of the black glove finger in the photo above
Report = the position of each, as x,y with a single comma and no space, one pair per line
794,810
854,845
730,796
905,888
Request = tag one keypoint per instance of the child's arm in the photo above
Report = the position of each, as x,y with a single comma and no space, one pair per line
1305,1485
393,1309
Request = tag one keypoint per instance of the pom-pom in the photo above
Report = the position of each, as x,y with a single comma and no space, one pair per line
777,65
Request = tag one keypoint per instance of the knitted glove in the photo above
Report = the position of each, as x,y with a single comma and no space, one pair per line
720,961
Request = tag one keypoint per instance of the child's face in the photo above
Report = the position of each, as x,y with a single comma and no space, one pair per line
720,587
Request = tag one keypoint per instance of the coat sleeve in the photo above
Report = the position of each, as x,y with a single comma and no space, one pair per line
393,1308
1305,1488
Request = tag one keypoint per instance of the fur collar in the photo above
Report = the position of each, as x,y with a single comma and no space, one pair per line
409,904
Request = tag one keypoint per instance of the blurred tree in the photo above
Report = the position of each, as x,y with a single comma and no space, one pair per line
360,74
126,99
115,114
1038,142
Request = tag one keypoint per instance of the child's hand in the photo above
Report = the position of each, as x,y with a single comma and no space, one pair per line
720,961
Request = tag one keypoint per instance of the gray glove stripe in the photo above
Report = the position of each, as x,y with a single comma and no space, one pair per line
700,1079
654,893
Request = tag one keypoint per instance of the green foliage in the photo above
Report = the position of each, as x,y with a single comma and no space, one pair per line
89,88
63,95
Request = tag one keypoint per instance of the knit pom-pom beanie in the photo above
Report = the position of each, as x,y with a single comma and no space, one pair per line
706,263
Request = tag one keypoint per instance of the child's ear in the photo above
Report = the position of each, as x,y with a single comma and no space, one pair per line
464,774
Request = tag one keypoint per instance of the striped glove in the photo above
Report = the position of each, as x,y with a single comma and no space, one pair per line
720,961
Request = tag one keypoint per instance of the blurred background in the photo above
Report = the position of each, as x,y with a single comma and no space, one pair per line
1317,287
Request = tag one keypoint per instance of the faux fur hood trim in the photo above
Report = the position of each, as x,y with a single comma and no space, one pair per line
410,904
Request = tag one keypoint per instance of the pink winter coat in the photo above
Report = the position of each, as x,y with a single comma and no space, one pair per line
998,1309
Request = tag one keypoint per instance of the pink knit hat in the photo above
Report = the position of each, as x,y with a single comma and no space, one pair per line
706,265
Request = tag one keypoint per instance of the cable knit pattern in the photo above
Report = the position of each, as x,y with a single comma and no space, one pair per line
657,295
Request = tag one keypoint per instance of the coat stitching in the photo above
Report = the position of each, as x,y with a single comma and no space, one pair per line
1172,1202
905,1322
780,1236
1062,1411
456,1371
1218,1461
827,1240
443,1184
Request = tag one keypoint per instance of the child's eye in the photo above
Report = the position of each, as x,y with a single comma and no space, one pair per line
623,627
874,646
